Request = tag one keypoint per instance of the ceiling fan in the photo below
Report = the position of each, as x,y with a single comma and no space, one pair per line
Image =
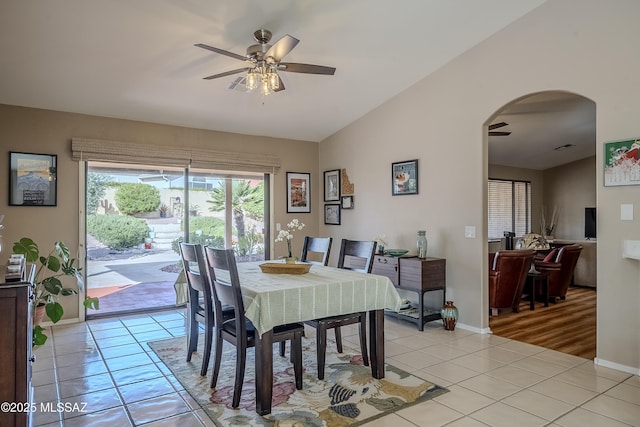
264,61
498,126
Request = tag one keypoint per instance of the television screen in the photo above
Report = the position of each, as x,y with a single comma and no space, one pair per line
590,223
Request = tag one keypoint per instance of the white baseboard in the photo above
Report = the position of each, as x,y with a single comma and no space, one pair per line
616,366
473,328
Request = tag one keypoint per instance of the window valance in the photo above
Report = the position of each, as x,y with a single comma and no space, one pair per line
101,150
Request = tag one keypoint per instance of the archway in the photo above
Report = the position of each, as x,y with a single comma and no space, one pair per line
548,140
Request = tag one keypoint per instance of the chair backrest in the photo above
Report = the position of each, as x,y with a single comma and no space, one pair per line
317,245
225,282
513,265
568,258
363,249
195,271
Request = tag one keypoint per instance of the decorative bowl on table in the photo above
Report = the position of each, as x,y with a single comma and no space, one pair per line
283,268
396,252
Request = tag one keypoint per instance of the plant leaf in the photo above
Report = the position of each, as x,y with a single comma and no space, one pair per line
92,303
39,338
27,247
54,311
52,285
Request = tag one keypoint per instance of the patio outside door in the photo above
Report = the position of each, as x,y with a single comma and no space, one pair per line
138,214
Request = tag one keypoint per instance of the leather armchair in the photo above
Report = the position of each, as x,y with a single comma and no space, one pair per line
507,277
560,267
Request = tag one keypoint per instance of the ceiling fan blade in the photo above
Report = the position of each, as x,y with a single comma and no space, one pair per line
498,125
222,52
499,133
282,47
306,68
227,73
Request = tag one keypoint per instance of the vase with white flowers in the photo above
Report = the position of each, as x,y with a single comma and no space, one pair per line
286,234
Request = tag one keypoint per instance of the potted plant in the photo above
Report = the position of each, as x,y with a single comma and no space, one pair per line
163,210
48,289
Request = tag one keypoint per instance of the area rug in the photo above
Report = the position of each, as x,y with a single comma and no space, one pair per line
348,396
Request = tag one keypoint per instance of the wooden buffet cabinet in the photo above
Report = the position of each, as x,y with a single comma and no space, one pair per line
16,355
414,275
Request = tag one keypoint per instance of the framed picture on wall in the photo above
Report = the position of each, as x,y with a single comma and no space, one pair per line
622,163
32,179
332,186
332,214
347,202
404,177
298,192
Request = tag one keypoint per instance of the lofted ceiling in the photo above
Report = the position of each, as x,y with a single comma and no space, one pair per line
137,60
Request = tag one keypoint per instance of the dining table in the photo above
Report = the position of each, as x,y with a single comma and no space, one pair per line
277,299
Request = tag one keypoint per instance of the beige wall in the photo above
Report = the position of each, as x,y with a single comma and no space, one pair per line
42,131
583,47
571,188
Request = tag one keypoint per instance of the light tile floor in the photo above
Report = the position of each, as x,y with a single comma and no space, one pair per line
493,381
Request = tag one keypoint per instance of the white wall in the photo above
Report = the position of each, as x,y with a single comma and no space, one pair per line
587,47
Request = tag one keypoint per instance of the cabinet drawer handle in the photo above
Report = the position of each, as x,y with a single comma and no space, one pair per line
32,359
382,260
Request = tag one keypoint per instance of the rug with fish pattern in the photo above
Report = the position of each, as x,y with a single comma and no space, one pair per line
348,395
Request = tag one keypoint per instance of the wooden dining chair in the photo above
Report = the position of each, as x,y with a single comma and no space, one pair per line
240,331
316,250
200,308
353,253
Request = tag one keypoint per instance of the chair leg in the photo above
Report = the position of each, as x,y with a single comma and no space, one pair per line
192,341
296,356
363,339
283,346
338,338
241,360
217,359
206,352
321,348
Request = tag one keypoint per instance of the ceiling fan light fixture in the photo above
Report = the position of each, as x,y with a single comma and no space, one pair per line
252,80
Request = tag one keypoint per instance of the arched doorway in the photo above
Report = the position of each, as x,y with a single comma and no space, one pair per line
547,141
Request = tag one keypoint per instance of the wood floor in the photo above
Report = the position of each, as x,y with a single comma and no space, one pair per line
568,326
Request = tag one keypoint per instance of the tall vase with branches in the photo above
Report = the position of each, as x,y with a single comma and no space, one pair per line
548,224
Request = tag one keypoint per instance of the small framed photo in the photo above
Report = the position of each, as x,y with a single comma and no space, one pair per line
33,179
332,186
404,177
298,189
332,214
347,202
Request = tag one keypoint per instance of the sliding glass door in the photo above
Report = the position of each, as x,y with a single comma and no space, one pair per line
138,214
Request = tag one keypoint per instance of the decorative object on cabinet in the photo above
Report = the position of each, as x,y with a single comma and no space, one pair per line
332,186
404,177
396,252
548,224
48,287
422,244
32,179
381,240
418,276
298,192
332,214
16,341
449,315
346,187
622,162
347,202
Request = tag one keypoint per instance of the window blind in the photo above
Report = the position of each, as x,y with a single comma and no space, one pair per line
84,149
509,207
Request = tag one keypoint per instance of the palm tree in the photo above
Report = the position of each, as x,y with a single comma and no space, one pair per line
246,201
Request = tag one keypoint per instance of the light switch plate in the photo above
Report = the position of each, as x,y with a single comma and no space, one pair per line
626,212
469,232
